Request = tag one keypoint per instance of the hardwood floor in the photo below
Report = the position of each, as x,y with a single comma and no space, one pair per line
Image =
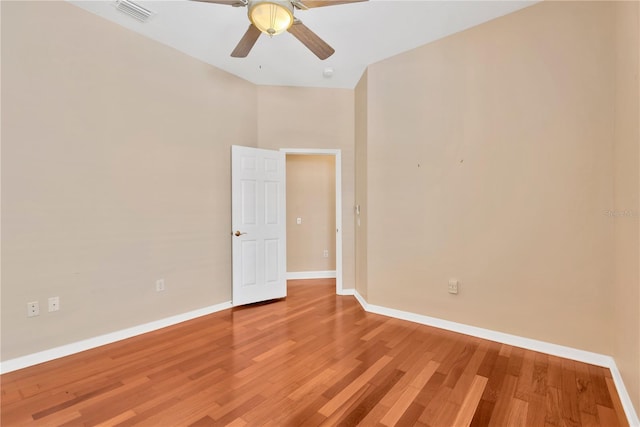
312,359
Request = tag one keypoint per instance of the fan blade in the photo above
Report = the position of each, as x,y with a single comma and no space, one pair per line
234,3
299,5
308,38
321,3
246,42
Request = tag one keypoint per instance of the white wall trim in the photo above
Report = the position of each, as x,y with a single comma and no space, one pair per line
297,275
627,403
514,340
338,165
76,347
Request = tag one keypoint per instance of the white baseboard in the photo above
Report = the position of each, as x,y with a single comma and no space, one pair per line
517,341
627,404
76,347
297,275
361,300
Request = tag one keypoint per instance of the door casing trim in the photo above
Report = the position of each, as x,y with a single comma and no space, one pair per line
337,153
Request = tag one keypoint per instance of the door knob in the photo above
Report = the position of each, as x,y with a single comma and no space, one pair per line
238,233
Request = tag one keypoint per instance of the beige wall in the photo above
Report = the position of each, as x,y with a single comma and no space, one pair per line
626,206
311,196
489,160
361,124
312,118
115,173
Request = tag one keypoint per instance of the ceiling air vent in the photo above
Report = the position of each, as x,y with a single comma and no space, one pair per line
134,10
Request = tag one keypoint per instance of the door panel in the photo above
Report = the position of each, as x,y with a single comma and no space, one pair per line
258,224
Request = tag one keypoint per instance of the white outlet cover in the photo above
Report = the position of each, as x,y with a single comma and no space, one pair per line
33,309
54,304
453,286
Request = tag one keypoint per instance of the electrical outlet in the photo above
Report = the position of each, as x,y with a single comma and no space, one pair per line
54,304
298,221
33,309
159,285
325,253
453,286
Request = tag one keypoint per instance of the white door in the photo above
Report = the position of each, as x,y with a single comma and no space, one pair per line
258,214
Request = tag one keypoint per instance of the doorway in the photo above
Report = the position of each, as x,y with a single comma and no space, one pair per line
314,238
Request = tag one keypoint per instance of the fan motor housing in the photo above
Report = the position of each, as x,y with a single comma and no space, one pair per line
272,17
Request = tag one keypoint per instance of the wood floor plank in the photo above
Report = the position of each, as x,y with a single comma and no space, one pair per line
238,422
488,362
359,410
462,387
345,406
536,413
323,378
553,414
117,419
446,415
617,404
410,393
496,378
552,366
584,388
482,416
420,361
517,416
353,387
505,350
471,401
607,416
459,361
313,358
600,390
589,420
411,415
504,398
569,396
432,410
524,388
516,357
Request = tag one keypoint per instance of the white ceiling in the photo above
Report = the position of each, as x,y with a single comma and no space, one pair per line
361,33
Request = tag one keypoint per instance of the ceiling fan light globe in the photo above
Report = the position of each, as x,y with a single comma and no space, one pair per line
272,17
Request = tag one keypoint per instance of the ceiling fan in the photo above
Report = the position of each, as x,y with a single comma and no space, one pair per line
273,17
